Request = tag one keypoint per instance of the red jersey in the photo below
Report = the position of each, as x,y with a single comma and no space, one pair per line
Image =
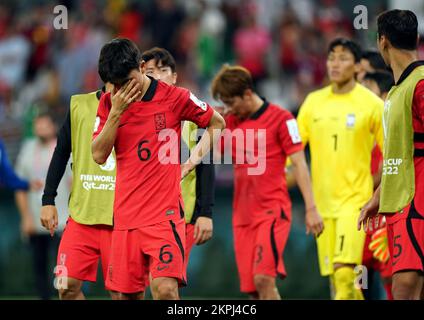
147,184
418,125
261,193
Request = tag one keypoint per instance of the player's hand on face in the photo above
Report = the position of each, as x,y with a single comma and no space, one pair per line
127,94
49,219
203,230
369,217
314,222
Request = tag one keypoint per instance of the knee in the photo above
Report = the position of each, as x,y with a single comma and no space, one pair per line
167,290
71,290
263,283
404,289
344,283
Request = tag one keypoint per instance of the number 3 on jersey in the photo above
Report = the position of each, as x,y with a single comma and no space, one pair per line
143,152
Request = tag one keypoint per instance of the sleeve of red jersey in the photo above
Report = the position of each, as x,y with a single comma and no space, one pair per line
102,114
189,107
418,101
289,134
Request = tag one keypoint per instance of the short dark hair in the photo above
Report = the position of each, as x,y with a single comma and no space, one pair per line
383,79
375,59
117,58
350,45
160,55
400,27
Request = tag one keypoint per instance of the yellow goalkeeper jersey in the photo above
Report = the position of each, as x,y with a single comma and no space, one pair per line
341,130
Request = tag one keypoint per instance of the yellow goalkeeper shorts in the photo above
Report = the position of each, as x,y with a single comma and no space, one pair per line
340,242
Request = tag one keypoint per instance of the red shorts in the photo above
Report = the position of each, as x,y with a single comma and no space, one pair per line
259,250
159,248
188,247
405,231
370,262
81,247
189,241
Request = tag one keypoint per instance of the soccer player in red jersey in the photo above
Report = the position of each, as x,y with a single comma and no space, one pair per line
379,82
265,136
141,119
199,189
400,196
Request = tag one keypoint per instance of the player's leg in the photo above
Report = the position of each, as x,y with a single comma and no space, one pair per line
325,245
369,262
244,249
386,277
164,243
105,233
271,239
125,275
266,287
347,255
164,288
407,285
77,259
72,291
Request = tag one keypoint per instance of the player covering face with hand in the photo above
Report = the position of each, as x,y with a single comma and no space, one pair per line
141,118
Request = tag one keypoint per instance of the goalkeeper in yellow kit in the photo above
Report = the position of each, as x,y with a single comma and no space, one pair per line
341,123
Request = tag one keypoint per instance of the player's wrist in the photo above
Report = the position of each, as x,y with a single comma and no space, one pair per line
311,208
190,164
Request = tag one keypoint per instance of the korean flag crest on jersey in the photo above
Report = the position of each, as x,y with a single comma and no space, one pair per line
350,121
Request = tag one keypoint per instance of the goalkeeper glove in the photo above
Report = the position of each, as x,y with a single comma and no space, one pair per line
379,245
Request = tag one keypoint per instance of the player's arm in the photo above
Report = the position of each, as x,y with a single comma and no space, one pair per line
27,221
376,177
8,176
21,196
188,107
209,139
369,211
103,144
313,220
57,167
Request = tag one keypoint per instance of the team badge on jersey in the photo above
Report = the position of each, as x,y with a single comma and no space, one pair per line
293,131
160,121
350,121
198,102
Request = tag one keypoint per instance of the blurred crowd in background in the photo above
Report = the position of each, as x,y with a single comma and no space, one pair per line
282,42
